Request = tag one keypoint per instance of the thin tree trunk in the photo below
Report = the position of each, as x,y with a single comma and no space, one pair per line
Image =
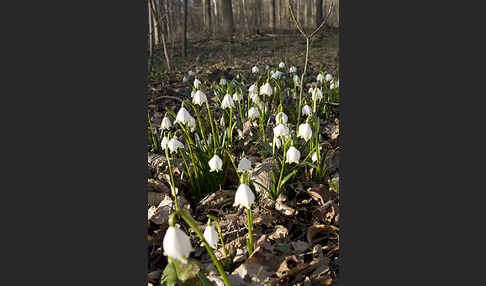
185,28
210,26
318,12
150,28
227,9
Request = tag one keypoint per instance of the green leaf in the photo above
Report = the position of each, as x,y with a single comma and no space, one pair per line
204,280
169,276
287,178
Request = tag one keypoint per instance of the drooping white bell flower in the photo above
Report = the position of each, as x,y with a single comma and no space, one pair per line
174,144
215,164
211,236
305,131
253,89
292,69
184,117
244,197
164,143
328,77
197,83
199,98
281,65
277,75
236,97
184,79
281,130
296,80
191,73
253,113
227,102
244,165
254,69
255,98
281,118
221,121
320,77
222,81
266,89
166,124
311,90
317,93
293,155
314,156
267,67
276,142
306,110
176,244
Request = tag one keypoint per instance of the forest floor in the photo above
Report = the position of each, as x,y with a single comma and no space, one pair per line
296,237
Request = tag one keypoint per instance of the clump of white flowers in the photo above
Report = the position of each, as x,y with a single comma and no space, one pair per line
266,89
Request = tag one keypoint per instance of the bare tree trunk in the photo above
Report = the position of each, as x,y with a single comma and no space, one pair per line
245,16
150,28
210,26
318,12
185,28
227,26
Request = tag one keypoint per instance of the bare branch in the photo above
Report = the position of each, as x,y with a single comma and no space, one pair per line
296,22
324,21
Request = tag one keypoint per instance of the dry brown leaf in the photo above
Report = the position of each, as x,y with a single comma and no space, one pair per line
317,233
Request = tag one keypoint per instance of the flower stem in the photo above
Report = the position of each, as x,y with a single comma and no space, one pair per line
171,177
250,231
215,139
190,221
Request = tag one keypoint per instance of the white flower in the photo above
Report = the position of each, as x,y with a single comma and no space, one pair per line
184,117
280,130
244,165
317,93
281,65
236,97
174,144
293,155
222,81
191,73
166,124
211,236
197,83
320,77
292,69
164,142
177,244
314,156
255,98
328,77
254,69
311,90
266,89
199,98
334,85
184,79
305,131
221,121
281,118
276,142
253,89
227,102
215,164
296,80
240,134
267,67
307,110
253,113
277,75
244,196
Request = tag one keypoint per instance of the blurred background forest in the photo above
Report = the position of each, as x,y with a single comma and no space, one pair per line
185,33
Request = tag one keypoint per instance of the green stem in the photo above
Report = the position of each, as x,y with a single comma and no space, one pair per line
171,177
215,139
250,231
282,170
190,221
